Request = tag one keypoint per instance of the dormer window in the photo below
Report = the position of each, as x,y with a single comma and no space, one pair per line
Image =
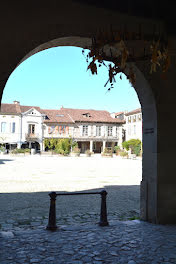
60,115
86,115
46,117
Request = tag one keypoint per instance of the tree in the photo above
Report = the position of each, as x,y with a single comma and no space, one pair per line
134,145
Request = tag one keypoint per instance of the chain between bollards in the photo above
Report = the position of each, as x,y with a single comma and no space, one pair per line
52,212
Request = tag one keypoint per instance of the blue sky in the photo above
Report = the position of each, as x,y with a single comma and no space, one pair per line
58,77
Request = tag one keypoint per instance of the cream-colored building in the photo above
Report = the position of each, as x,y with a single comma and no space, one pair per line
133,126
21,126
28,126
91,129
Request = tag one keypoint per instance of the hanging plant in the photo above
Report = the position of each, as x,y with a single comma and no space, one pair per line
110,46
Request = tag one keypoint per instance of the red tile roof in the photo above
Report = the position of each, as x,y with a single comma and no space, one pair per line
57,116
89,115
17,108
64,115
138,110
8,108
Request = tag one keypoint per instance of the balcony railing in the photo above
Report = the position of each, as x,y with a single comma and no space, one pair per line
30,136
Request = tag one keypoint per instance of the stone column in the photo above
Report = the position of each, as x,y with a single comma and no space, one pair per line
104,145
158,186
19,145
41,146
91,145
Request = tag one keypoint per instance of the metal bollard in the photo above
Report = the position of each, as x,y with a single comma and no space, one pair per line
103,213
52,213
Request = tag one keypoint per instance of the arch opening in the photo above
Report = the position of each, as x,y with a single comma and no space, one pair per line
146,98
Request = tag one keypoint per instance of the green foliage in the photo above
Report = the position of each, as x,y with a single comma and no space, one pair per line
60,146
125,145
2,149
63,146
134,145
17,151
137,150
74,144
116,149
123,154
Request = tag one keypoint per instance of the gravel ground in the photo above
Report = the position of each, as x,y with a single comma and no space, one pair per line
26,181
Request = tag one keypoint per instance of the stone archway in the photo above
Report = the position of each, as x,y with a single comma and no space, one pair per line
31,27
146,98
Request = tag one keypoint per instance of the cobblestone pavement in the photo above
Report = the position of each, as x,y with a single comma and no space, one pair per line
122,242
24,202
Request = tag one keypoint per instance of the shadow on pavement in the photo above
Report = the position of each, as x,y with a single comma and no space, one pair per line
122,203
2,161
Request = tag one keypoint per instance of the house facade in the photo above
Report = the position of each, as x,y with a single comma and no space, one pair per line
91,129
133,124
28,126
21,126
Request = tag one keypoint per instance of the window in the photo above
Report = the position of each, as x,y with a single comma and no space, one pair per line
51,129
117,131
31,129
129,119
139,117
109,130
85,131
86,115
63,129
3,127
13,127
134,118
98,131
46,117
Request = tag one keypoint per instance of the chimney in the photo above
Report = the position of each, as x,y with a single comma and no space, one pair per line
17,105
16,102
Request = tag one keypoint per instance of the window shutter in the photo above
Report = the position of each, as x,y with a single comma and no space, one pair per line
60,129
102,131
114,131
89,131
81,130
67,129
94,131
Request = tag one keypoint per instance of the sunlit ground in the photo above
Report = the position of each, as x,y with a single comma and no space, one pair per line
39,173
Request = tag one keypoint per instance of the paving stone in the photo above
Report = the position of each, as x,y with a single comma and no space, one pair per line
117,244
33,260
6,234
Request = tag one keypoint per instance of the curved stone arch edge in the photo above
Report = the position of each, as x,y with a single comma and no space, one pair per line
79,42
148,191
